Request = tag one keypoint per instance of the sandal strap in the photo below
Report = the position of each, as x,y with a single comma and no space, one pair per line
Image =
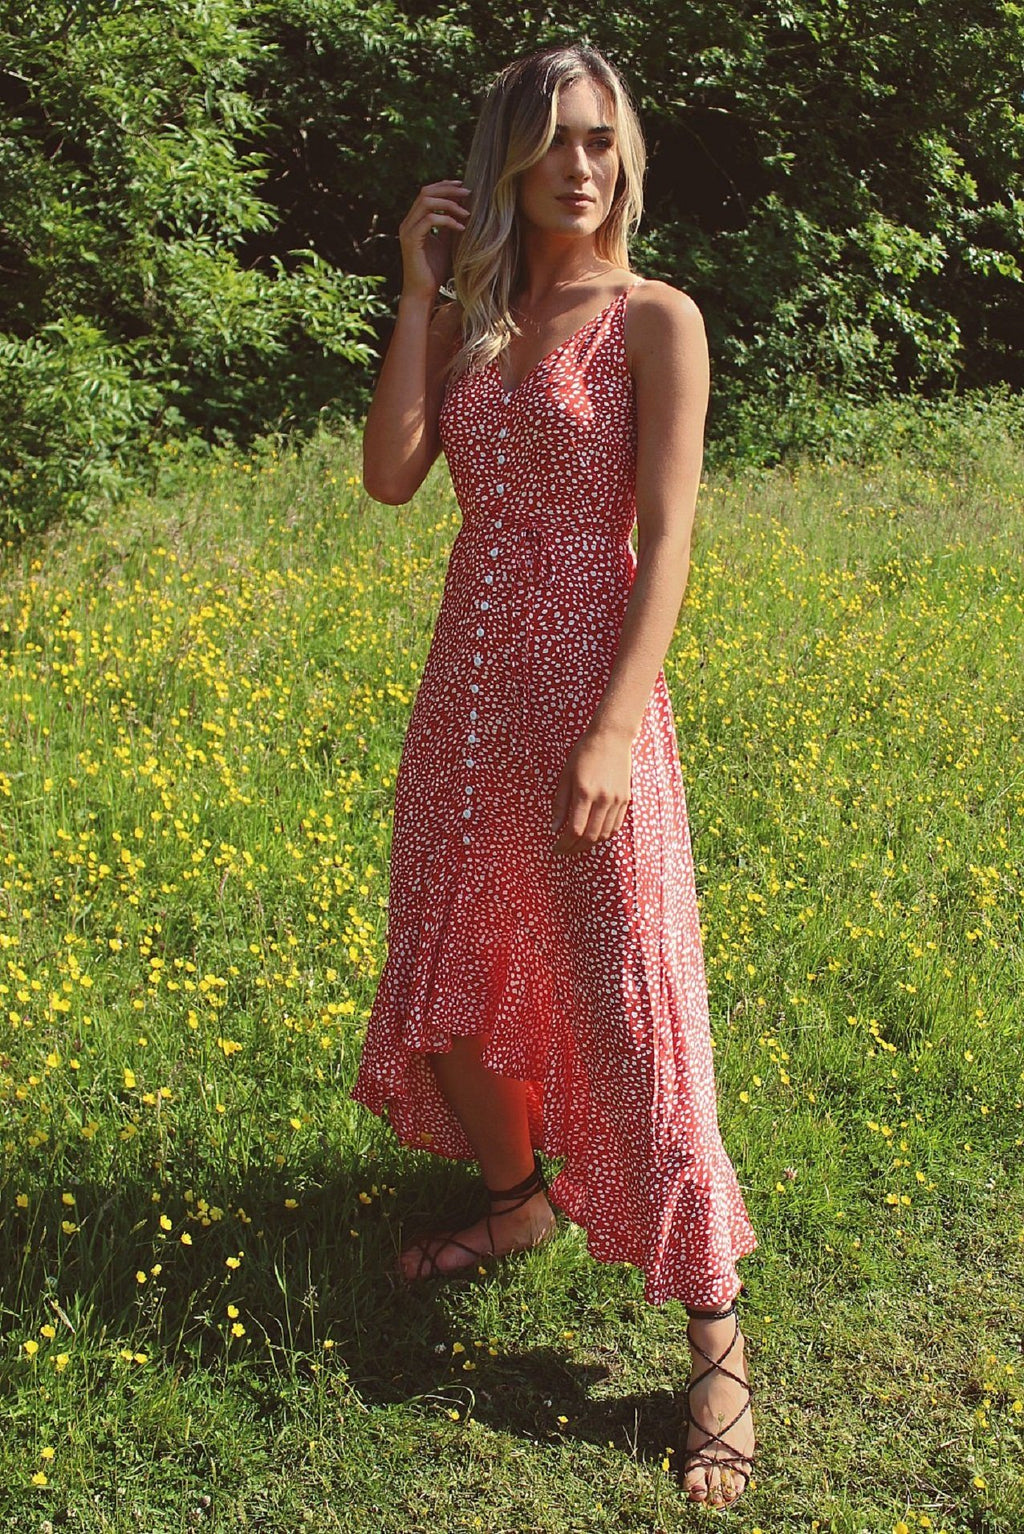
712,1436
523,1191
431,1247
718,1315
744,1463
430,1258
719,1362
515,1198
733,1457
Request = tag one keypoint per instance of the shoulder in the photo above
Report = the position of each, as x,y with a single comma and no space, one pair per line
661,319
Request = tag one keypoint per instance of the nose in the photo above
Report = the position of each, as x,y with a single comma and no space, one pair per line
578,168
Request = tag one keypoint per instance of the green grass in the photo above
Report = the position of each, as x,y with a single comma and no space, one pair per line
203,702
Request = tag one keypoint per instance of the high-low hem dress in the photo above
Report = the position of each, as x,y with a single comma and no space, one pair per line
583,971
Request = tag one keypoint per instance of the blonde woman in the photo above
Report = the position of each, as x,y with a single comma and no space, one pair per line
544,986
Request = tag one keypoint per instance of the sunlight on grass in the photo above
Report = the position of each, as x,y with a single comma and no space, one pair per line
203,708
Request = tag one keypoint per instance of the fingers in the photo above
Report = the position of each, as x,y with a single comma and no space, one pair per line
612,821
438,203
560,805
426,234
593,794
437,214
437,208
584,829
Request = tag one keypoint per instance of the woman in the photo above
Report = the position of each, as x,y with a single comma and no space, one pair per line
544,986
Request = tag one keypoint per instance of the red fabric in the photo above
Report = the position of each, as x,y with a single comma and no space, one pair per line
585,969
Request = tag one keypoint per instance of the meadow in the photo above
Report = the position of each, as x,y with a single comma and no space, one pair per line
203,704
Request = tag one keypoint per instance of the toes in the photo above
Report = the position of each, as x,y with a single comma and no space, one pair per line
728,1490
695,1484
710,1486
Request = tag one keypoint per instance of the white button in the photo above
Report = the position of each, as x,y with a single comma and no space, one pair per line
469,788
499,489
501,458
498,522
473,687
484,606
478,659
470,762
503,433
494,555
472,713
479,633
471,737
467,812
465,838
489,580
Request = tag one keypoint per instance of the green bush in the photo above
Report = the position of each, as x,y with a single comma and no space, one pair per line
73,413
130,186
947,434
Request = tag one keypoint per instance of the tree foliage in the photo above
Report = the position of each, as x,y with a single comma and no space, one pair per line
131,188
838,183
200,201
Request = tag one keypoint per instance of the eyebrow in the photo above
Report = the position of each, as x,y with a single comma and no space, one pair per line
562,128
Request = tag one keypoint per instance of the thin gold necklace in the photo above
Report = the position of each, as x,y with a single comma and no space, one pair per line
565,286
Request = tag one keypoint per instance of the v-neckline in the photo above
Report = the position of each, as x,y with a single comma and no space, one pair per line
508,394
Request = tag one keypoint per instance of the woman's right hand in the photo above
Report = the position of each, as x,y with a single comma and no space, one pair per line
426,257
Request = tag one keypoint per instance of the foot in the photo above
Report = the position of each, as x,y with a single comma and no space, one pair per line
713,1403
506,1229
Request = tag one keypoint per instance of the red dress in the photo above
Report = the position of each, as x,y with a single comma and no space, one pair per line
585,969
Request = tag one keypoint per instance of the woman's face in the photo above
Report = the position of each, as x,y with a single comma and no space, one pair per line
570,189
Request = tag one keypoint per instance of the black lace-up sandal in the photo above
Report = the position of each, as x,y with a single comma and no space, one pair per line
732,1459
431,1246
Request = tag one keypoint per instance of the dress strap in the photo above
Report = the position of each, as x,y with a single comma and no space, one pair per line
623,302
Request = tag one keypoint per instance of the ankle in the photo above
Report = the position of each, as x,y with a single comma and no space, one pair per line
525,1207
501,1190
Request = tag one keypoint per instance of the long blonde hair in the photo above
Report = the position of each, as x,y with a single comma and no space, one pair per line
516,125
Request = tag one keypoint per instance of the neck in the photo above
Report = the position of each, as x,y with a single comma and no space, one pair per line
551,262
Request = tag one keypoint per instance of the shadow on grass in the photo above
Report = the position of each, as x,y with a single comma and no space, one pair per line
325,1271
525,1395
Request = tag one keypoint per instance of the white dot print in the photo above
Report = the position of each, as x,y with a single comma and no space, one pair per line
583,971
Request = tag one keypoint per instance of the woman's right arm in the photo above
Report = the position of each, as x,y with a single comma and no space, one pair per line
400,437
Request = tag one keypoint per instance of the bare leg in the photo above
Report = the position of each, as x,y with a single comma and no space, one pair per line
492,1112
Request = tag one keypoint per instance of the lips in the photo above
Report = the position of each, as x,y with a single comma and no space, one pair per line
576,202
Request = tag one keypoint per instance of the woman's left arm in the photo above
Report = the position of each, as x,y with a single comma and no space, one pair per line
668,358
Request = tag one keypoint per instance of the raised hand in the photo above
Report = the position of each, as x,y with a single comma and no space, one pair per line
426,233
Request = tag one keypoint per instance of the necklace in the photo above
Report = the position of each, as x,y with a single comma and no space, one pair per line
535,326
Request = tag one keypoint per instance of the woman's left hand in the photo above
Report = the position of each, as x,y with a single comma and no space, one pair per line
593,792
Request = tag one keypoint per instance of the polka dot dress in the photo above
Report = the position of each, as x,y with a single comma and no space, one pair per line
583,970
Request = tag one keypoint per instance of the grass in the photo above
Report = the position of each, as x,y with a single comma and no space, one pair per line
203,703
